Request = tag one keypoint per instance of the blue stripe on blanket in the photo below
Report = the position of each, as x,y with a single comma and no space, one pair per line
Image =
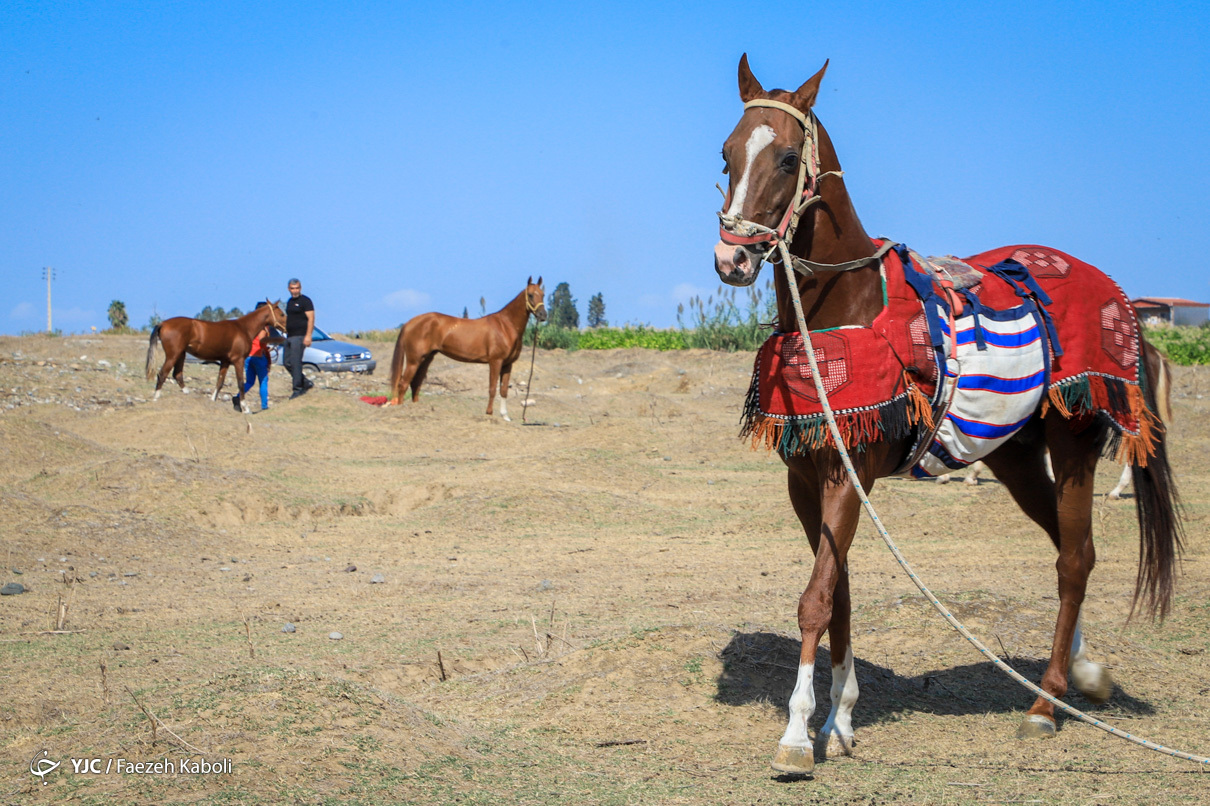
974,428
1003,386
995,339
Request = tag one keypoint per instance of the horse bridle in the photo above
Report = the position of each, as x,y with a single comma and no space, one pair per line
273,316
533,308
738,231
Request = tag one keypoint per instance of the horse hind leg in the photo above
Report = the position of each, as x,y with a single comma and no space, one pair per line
1063,508
1123,482
162,376
1091,679
178,372
222,376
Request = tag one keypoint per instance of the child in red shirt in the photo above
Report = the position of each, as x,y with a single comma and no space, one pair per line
256,367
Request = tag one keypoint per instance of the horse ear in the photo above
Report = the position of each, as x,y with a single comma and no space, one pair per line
806,94
530,281
539,279
749,87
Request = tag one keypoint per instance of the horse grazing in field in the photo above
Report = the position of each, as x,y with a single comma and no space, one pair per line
227,342
494,340
929,365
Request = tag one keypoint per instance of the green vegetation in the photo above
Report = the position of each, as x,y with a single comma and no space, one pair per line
726,320
596,311
118,319
561,308
1187,346
209,314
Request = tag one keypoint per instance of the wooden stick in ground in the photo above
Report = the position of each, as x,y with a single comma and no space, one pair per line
441,666
104,683
248,633
156,720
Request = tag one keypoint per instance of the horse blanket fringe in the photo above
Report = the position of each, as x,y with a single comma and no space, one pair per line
964,362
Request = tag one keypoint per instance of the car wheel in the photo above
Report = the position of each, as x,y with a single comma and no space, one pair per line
310,372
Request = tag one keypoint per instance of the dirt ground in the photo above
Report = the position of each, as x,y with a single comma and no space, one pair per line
596,608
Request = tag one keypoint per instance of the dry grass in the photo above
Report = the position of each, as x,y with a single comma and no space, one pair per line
610,602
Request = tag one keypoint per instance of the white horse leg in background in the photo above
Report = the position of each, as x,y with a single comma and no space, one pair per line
1116,492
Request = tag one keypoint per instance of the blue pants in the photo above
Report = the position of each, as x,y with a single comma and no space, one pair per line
256,368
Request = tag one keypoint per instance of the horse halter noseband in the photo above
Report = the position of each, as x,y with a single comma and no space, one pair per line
531,308
273,317
738,231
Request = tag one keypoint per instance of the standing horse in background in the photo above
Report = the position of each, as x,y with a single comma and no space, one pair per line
899,357
494,340
227,342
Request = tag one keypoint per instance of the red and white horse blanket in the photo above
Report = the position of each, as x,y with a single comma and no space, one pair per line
1034,327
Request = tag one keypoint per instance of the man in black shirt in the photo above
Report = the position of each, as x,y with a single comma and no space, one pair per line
300,321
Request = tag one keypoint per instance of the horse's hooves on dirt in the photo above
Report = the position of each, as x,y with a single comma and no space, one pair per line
1036,727
794,760
832,745
1096,685
507,419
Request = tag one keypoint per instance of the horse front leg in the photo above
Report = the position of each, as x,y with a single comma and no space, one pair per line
237,400
492,378
506,372
829,516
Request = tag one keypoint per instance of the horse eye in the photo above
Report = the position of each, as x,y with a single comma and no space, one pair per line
789,162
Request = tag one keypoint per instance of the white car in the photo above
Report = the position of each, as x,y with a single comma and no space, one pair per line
326,354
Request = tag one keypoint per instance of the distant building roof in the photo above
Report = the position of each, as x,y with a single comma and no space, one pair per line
1167,302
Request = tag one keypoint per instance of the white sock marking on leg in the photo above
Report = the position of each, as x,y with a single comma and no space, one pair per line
802,707
844,697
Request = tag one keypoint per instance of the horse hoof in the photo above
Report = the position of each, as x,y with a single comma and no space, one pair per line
794,760
833,745
507,419
1036,726
1096,685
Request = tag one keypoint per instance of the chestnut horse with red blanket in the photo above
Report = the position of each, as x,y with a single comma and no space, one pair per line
1097,388
227,342
494,340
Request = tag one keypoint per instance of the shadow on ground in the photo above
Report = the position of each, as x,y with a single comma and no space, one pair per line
763,666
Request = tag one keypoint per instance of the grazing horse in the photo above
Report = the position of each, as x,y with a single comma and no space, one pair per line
494,340
783,171
227,342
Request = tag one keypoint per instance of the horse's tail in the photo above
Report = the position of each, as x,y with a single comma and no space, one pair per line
155,337
1156,501
397,362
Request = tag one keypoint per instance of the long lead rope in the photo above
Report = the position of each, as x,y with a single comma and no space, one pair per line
532,356
886,537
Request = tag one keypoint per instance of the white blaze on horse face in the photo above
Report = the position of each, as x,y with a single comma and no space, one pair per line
839,727
758,141
802,707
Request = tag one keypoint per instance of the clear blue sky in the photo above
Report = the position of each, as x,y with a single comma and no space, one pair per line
404,157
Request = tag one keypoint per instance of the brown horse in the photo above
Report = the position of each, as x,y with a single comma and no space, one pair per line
227,342
777,142
494,340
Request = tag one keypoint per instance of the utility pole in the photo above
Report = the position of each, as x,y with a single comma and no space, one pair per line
49,273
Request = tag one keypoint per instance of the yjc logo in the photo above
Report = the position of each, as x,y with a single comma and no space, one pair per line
41,766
